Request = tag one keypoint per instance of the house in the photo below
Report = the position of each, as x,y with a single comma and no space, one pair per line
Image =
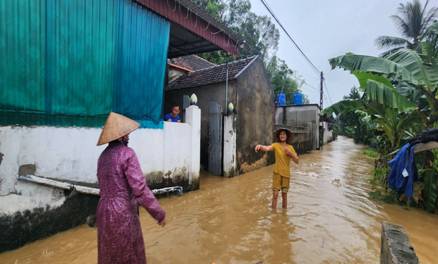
65,65
228,137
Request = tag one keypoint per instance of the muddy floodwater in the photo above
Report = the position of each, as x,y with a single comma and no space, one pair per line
330,219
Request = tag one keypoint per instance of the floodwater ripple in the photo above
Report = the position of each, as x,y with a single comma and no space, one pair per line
330,219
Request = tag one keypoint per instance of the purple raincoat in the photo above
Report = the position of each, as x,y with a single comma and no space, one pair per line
122,189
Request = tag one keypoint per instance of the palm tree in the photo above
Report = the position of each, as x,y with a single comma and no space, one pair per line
412,21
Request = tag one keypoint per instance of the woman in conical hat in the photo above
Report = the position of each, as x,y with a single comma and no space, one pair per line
122,189
284,153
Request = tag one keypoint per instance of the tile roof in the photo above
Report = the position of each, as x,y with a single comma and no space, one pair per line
192,62
211,75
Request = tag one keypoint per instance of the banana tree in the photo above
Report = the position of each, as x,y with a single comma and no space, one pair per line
391,123
380,78
394,124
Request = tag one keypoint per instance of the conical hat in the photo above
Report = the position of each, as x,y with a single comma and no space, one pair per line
116,126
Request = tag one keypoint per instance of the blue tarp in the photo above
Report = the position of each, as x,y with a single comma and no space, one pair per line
403,173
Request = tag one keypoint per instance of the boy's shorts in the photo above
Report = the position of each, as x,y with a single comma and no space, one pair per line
280,183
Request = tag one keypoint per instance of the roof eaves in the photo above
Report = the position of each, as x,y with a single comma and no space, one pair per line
197,85
180,67
232,62
199,57
246,67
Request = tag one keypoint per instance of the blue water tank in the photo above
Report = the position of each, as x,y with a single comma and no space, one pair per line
281,99
297,98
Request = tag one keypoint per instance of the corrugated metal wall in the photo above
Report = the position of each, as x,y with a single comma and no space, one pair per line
70,62
22,53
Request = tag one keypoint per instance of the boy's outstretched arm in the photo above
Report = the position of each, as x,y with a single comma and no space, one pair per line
295,158
293,155
263,148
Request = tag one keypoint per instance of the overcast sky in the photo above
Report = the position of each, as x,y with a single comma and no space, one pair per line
326,29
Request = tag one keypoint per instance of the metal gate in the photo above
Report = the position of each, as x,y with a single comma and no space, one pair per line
215,138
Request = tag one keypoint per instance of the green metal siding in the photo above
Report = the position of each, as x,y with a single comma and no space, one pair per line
70,62
22,53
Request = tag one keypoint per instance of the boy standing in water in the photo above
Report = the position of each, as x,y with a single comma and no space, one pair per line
284,153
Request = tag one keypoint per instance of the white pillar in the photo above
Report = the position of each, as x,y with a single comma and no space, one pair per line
193,117
229,161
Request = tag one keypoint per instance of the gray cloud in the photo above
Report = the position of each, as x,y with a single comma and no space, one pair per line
325,29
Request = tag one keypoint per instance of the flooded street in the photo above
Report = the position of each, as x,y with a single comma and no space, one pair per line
330,219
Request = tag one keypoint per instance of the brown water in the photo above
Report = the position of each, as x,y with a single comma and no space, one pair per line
330,219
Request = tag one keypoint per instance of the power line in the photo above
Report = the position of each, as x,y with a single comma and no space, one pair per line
290,37
324,84
326,90
311,86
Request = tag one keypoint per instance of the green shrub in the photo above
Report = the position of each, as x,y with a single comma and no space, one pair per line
427,164
371,153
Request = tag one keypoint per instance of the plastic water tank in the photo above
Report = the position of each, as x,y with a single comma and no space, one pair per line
297,98
281,99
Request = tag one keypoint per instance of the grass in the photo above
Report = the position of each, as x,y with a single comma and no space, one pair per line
380,192
371,153
379,179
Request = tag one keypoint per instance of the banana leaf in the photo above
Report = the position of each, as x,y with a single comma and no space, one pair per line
376,65
411,61
343,106
386,95
363,78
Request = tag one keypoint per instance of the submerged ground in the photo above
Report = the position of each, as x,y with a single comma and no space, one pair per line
330,219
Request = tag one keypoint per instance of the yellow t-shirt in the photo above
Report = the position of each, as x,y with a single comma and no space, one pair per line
282,161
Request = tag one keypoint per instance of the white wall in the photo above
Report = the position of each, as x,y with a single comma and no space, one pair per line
193,117
230,161
71,153
328,134
30,196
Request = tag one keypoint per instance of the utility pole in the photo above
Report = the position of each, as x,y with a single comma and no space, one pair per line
321,92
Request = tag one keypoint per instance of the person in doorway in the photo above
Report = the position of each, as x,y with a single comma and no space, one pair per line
173,116
284,153
122,189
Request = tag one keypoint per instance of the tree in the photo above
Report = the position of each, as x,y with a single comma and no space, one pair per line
412,21
384,80
281,76
354,94
400,90
258,34
259,37
400,94
215,8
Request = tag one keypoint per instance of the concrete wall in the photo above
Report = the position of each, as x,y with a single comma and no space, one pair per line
230,159
395,246
28,211
193,118
166,155
328,134
303,120
205,94
255,108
